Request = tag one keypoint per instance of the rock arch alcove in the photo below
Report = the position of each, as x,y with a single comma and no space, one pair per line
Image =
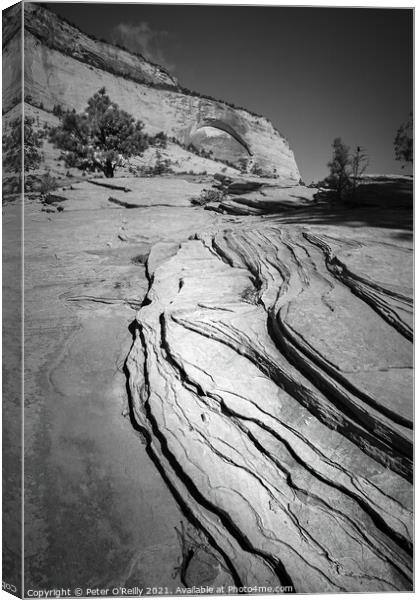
220,138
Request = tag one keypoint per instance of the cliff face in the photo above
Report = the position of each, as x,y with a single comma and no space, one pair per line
12,56
64,66
53,32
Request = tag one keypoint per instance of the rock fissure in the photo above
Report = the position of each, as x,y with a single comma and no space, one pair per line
204,334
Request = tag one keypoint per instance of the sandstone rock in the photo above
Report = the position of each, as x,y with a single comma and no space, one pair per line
56,33
64,66
301,470
270,373
265,200
242,187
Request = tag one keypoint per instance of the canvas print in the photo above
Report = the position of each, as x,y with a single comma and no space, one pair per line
207,299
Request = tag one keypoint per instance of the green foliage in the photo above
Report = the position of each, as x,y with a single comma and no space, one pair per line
12,146
403,142
101,137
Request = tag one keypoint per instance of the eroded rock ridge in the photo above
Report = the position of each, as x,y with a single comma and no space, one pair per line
271,373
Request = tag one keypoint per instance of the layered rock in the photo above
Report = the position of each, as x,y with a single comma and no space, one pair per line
54,32
257,196
271,374
63,66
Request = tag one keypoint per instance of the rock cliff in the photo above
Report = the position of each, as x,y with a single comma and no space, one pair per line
64,66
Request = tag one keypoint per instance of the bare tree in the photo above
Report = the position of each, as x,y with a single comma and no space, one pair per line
359,164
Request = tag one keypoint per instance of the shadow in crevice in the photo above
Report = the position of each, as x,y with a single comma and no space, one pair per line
134,329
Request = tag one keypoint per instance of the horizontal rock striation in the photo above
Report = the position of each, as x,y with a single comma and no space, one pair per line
258,196
271,374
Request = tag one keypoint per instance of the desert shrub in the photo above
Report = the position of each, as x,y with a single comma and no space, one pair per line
12,146
58,110
11,185
243,165
206,196
161,167
47,184
101,137
159,140
133,170
257,170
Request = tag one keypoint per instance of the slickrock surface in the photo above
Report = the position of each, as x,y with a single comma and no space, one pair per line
228,397
267,199
98,512
271,374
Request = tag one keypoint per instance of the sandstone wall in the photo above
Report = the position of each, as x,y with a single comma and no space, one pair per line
58,34
11,62
54,77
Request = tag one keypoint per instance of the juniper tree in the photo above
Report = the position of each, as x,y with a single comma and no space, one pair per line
339,177
99,138
346,168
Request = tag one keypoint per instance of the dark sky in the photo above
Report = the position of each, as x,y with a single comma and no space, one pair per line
316,73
